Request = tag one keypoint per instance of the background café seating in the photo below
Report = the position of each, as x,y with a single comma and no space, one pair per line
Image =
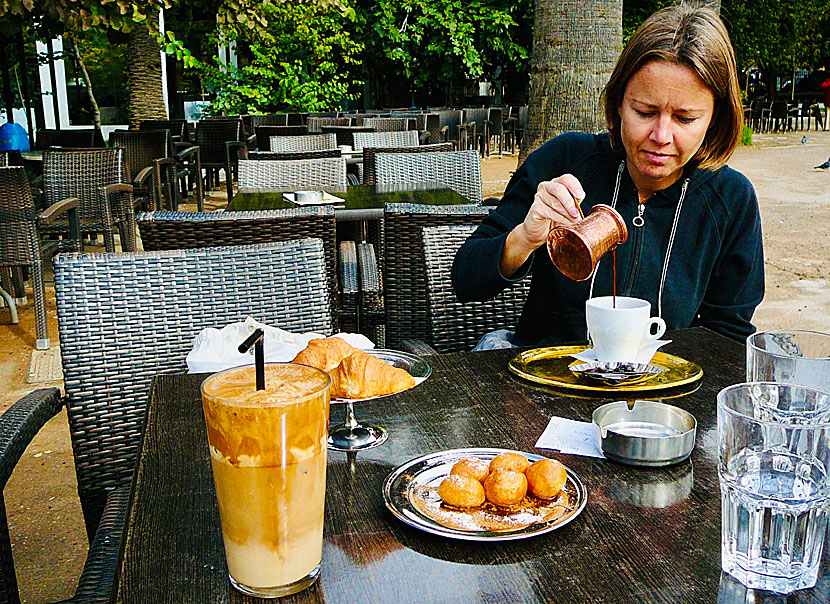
263,134
457,170
110,352
75,138
326,174
368,168
309,142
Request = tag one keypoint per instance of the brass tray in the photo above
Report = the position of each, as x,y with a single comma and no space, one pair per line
549,366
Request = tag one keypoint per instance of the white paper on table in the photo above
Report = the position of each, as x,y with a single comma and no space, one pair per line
326,199
571,437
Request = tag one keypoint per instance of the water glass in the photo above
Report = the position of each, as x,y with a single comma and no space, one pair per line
789,355
774,469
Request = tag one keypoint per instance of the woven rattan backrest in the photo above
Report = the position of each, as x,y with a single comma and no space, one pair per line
456,326
267,119
496,118
315,124
450,118
310,142
177,128
78,138
82,174
403,138
211,136
18,230
387,124
328,174
125,317
283,155
185,230
141,147
264,134
404,273
456,170
370,153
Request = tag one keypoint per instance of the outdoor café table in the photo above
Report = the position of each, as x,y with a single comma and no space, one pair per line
617,550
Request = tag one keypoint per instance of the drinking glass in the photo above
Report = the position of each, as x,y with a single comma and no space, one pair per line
789,355
774,469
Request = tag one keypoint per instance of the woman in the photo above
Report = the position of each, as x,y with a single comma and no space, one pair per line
694,250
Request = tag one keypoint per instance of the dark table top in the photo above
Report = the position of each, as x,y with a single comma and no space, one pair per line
618,550
362,202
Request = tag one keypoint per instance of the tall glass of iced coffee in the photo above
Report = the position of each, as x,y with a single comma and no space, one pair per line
268,452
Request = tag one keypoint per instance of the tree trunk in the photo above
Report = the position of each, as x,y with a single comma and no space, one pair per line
96,112
144,74
575,46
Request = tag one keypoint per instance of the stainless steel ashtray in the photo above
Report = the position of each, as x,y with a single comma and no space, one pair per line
616,373
309,196
645,433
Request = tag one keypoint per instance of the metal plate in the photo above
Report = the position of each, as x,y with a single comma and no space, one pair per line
415,365
550,366
430,469
614,373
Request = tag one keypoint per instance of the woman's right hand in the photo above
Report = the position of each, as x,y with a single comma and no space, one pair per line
555,203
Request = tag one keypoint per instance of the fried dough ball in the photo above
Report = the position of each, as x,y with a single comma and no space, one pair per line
510,461
545,478
505,487
472,467
461,491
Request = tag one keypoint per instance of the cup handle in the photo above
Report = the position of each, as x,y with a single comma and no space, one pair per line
661,329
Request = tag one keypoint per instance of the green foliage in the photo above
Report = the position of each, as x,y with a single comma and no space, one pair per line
303,59
746,136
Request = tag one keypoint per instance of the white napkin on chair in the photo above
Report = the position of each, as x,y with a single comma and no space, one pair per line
217,349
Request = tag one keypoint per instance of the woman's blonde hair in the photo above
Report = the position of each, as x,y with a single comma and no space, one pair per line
695,37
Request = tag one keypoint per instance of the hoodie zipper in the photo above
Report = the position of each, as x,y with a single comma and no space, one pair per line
638,222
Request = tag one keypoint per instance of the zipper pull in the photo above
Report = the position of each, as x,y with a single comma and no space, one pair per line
638,221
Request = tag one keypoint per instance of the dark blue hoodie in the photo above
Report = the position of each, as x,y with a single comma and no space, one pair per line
715,275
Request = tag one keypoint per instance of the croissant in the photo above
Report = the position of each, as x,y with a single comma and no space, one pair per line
362,375
324,353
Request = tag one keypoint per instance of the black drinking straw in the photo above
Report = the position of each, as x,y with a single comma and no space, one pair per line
256,340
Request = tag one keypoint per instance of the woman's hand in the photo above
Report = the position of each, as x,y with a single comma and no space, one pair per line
555,203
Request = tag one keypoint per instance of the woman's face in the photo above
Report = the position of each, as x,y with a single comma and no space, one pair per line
664,114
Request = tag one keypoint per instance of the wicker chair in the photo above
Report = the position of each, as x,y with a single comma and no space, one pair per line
514,127
179,130
402,138
345,134
264,134
391,124
97,178
402,276
110,352
368,168
251,121
457,170
152,180
18,427
315,124
21,245
218,141
186,230
455,326
79,138
328,174
311,142
450,120
283,155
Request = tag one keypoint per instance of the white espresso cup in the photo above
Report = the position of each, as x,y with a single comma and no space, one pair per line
620,326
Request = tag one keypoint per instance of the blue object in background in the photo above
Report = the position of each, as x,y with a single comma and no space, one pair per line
13,137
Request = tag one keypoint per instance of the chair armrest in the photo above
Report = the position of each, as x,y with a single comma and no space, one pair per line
250,140
58,208
142,176
186,152
120,187
418,347
423,137
20,423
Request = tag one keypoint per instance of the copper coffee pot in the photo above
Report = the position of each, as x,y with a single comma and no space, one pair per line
575,249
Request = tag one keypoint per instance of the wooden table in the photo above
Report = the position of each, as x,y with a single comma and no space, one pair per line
362,202
618,550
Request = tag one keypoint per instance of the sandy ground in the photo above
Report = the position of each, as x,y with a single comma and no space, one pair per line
44,513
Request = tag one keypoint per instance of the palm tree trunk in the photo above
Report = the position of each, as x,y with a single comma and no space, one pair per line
575,46
96,112
144,74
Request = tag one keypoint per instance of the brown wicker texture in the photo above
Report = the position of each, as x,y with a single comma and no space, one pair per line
328,174
311,142
390,124
187,230
370,154
212,137
20,243
345,134
456,170
264,134
402,138
456,326
78,138
123,318
349,289
476,121
404,273
315,124
283,155
89,175
449,120
250,122
179,130
141,150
